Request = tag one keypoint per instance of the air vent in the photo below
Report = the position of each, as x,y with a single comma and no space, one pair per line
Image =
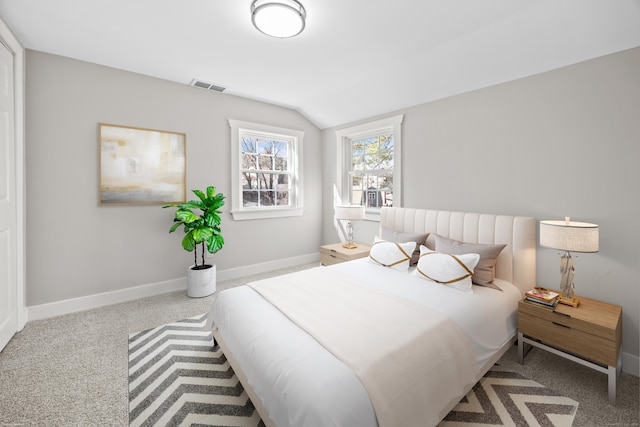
205,85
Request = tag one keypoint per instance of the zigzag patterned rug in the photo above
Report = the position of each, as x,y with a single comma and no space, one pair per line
177,378
505,398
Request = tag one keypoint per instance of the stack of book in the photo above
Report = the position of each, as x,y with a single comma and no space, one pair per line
542,296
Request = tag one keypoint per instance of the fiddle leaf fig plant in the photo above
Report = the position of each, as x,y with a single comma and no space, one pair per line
200,228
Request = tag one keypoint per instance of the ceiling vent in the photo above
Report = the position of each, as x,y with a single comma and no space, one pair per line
205,85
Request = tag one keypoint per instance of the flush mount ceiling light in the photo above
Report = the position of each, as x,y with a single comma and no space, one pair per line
278,18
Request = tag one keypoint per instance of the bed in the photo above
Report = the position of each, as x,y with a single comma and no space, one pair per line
317,360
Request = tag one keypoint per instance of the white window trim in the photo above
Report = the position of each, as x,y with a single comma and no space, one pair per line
343,136
241,213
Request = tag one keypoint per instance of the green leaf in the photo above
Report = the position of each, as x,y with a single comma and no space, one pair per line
191,204
175,226
210,191
218,202
188,243
200,194
186,216
215,202
212,219
202,234
190,226
215,243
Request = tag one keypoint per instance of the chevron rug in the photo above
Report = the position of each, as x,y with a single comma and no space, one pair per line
177,378
505,398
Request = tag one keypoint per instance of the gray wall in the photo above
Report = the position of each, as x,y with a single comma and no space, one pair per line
76,247
566,142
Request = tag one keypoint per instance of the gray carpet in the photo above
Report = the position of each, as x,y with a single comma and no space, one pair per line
72,370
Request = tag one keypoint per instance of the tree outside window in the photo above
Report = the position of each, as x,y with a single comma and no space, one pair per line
370,164
266,171
371,175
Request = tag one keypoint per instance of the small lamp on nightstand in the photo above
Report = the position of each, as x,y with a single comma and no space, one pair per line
349,213
569,237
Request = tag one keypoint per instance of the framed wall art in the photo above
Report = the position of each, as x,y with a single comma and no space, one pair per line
141,166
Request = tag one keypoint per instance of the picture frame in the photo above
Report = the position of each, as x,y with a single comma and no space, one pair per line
141,166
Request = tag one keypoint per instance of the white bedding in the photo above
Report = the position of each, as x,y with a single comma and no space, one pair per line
302,384
423,349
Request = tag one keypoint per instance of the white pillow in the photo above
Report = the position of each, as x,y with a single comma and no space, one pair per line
454,271
392,255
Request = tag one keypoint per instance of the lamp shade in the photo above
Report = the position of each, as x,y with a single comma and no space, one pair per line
278,18
350,212
570,236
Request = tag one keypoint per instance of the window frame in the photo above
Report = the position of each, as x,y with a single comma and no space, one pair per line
344,137
295,139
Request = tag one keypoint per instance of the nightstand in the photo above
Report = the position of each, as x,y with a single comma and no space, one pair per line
336,253
590,334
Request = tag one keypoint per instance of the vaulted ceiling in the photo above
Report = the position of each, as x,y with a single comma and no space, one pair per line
355,59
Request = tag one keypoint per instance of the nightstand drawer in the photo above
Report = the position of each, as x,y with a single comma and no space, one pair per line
333,254
560,333
329,259
581,319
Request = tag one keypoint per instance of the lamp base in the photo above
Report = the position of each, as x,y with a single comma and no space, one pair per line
349,245
573,302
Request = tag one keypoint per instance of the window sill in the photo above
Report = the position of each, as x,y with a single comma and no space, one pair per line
265,213
372,215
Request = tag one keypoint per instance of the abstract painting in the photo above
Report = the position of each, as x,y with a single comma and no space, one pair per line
141,166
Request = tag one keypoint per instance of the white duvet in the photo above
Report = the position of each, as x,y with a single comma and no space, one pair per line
302,384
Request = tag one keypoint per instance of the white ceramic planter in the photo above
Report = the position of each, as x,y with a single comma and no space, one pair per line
201,283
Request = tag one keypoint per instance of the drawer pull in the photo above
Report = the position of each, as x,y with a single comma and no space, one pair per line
562,314
333,250
559,324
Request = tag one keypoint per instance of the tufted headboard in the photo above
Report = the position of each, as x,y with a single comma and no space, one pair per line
517,261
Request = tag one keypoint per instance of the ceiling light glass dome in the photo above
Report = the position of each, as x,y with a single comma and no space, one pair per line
278,18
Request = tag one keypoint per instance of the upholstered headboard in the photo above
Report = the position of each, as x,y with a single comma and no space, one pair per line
517,261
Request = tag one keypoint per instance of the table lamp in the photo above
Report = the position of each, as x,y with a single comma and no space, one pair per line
349,213
569,236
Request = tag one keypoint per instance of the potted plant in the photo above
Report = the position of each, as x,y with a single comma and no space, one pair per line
201,229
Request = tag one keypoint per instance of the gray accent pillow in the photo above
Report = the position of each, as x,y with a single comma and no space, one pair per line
397,237
485,271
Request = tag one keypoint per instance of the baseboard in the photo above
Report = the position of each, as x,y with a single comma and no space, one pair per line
631,364
58,308
88,302
234,273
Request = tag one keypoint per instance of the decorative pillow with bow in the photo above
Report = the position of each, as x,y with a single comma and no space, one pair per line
451,270
392,255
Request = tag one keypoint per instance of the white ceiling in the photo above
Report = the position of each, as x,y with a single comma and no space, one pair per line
355,59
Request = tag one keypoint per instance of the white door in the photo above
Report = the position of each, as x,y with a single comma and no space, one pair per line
8,206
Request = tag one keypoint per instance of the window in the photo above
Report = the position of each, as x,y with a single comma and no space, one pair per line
369,164
266,178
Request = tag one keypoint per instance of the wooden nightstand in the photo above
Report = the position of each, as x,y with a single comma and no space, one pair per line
336,253
590,334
